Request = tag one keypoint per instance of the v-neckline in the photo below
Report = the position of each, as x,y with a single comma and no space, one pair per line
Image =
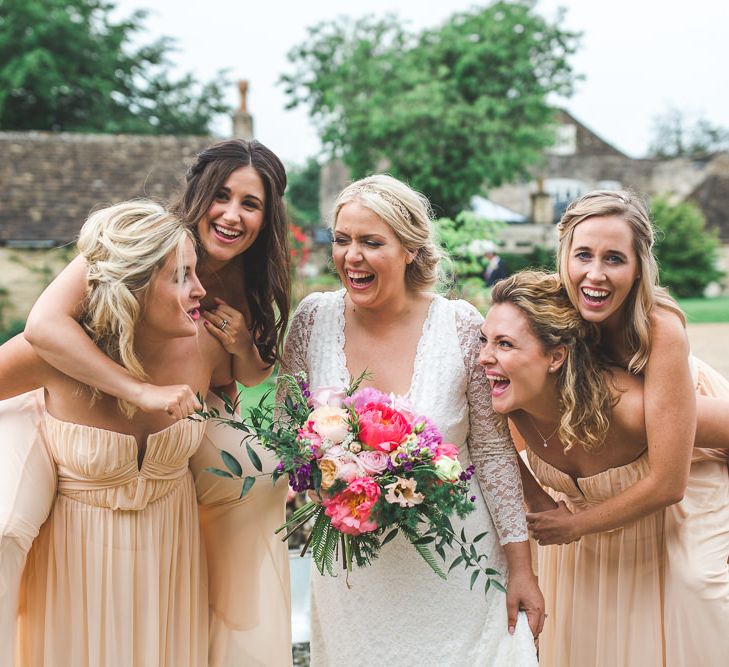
344,370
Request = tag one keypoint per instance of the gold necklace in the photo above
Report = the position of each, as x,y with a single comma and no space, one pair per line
544,440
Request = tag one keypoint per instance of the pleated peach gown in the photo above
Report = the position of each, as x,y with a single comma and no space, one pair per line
697,548
250,595
603,593
116,577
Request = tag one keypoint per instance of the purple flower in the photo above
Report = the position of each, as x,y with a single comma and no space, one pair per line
473,499
301,478
430,436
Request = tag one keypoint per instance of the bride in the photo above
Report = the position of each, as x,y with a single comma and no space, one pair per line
424,348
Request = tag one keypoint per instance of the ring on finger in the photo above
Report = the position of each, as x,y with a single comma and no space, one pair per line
223,324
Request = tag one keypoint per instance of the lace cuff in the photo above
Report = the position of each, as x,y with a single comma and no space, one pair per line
489,441
296,346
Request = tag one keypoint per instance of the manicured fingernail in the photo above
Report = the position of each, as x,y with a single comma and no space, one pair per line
511,629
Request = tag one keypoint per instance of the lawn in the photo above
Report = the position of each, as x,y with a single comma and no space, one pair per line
701,311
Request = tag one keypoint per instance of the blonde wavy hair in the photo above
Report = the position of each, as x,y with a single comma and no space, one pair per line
409,215
646,292
585,397
124,245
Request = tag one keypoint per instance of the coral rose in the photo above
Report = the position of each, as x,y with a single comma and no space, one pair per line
446,449
382,428
350,509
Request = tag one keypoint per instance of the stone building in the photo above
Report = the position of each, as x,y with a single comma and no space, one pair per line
50,182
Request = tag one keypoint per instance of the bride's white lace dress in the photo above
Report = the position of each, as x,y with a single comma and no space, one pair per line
397,611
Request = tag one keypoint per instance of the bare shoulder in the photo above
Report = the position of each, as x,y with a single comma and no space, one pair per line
666,327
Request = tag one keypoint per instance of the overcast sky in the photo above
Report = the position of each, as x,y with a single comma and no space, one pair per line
638,57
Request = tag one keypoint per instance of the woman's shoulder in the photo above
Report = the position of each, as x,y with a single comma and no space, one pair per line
464,311
666,327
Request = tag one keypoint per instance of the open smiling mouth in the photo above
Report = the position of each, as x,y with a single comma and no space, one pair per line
499,384
228,234
360,278
595,297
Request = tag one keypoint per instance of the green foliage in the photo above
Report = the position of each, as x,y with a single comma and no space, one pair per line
702,311
540,258
67,65
451,110
460,235
302,193
687,252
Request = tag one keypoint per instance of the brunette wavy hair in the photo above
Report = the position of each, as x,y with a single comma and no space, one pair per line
586,399
267,264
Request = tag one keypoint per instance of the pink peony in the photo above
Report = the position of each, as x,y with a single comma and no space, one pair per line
373,462
325,395
350,509
382,428
446,449
365,395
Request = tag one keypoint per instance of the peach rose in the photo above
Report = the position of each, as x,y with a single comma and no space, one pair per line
330,423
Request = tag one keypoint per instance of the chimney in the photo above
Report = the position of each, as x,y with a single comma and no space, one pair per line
242,120
542,207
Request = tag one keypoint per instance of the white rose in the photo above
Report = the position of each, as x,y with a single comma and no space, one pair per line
448,469
330,423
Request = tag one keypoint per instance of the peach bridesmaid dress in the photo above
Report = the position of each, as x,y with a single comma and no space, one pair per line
697,548
248,565
116,576
603,593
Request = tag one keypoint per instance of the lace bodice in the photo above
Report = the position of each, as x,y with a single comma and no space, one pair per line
447,385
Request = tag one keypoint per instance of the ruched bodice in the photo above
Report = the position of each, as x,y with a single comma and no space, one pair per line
99,467
117,574
583,492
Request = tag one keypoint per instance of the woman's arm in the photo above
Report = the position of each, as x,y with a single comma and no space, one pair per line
21,369
57,337
670,418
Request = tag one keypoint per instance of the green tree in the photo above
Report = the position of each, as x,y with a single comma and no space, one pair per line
302,193
454,110
676,134
67,65
687,252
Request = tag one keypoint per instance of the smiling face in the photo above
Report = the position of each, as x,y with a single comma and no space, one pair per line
602,268
517,366
171,303
369,257
234,219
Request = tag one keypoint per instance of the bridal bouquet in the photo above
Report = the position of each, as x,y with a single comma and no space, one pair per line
376,469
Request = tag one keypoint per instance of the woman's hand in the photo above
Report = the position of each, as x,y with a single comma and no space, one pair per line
229,326
177,400
523,594
554,526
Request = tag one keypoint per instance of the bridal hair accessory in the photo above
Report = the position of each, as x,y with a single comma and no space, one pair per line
389,198
544,440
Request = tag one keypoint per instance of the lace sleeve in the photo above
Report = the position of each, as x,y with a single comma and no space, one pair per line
489,442
296,345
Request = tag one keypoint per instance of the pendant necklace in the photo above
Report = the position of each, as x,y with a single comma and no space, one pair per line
544,440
